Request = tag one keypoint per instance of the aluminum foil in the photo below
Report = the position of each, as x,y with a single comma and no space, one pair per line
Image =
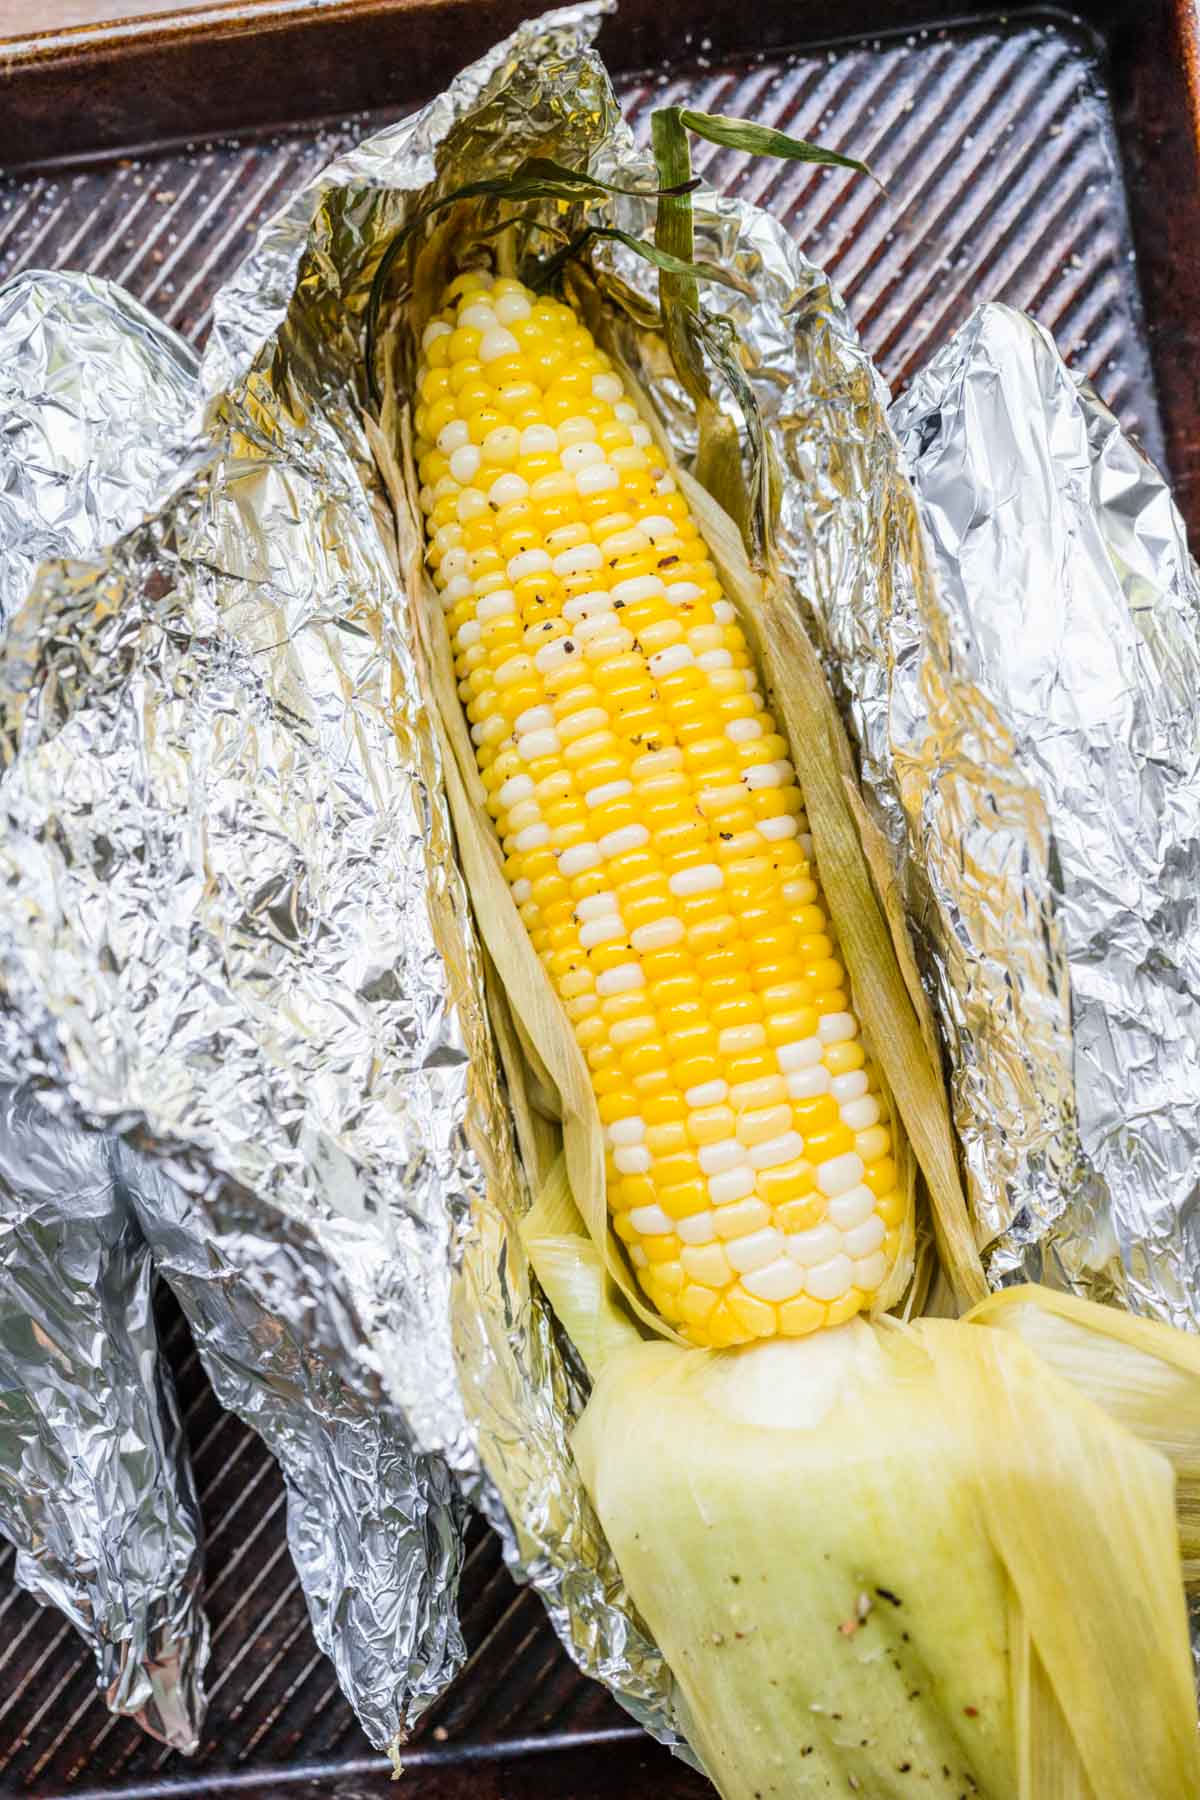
97,433
96,1490
95,395
1043,743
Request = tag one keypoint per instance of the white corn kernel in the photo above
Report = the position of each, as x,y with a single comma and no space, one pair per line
633,1159
728,1154
637,587
806,1084
534,718
597,478
777,829
801,1053
539,440
830,1280
787,1147
762,775
507,489
730,1185
776,1281
659,934
816,1245
742,731
532,745
838,1028
607,790
702,878
706,1093
511,308
588,606
849,1087
698,1228
497,605
755,1250
580,559
626,1131
596,906
666,662
578,860
869,1273
860,1115
651,1221
626,978
464,464
840,1173
453,436
601,931
864,1238
627,837
527,562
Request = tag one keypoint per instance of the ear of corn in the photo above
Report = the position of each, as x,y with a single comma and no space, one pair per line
653,830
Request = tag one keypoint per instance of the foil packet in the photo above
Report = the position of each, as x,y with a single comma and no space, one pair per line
96,1490
97,402
1041,744
271,967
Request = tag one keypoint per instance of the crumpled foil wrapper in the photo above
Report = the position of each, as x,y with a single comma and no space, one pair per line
96,1490
97,431
1043,747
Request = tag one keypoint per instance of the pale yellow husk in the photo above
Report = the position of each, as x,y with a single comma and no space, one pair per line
916,1557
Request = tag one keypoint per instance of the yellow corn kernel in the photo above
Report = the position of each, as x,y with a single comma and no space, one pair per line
756,1316
799,1317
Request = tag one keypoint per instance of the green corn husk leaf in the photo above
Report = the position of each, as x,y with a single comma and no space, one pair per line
763,140
908,1557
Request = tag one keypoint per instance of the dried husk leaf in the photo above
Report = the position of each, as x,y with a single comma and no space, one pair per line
1082,1515
1145,1375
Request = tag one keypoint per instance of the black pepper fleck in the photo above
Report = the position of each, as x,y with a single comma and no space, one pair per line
887,1594
903,1768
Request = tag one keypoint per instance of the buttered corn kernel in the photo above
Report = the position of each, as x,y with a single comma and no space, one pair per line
653,830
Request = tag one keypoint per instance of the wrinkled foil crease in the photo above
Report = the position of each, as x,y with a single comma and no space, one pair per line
232,925
95,396
1062,648
96,1491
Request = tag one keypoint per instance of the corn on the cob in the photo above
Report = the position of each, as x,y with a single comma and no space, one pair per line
653,829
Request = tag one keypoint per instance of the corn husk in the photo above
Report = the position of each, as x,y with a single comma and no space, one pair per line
916,1558
1143,1374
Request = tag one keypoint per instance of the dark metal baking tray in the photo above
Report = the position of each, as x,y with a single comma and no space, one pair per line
1038,157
